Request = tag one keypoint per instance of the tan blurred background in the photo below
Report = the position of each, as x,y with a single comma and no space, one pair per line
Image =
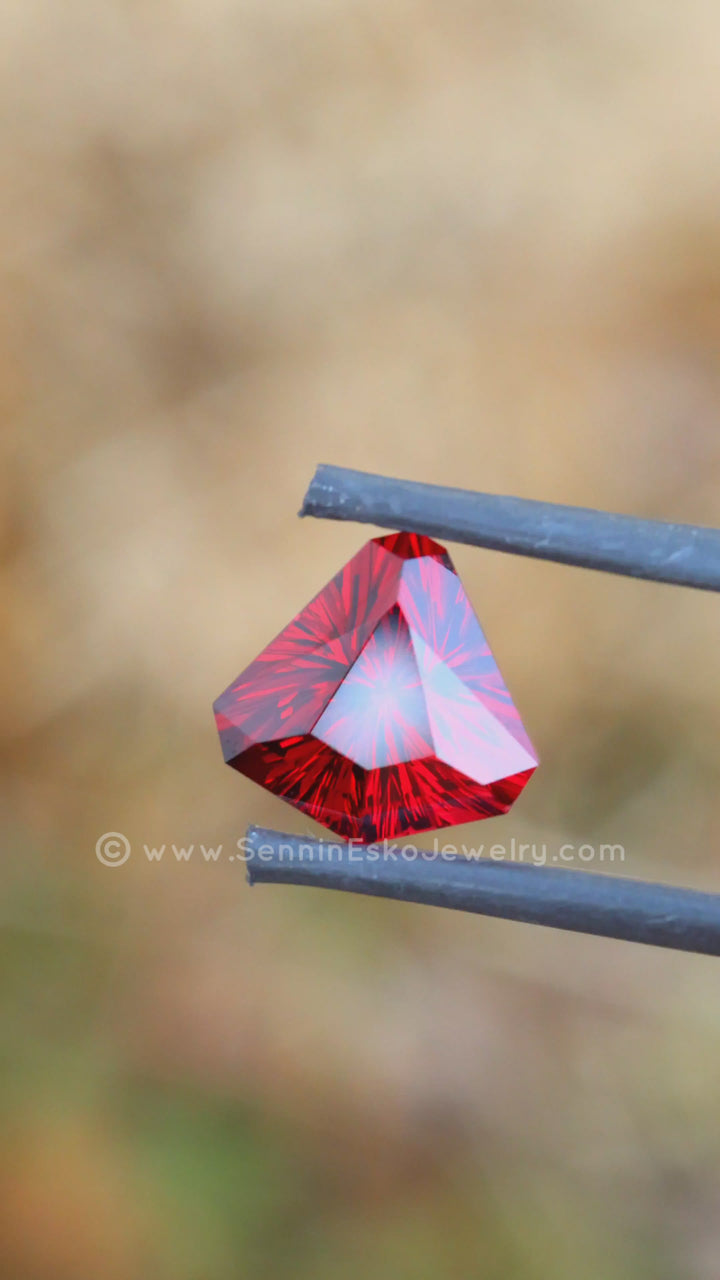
471,243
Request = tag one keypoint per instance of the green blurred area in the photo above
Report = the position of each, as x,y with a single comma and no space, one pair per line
470,244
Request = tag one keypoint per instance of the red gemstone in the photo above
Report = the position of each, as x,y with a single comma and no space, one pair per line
379,710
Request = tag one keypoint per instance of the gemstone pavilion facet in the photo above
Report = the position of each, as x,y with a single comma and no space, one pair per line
379,710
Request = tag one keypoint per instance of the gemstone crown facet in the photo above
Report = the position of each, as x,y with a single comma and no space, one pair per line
379,710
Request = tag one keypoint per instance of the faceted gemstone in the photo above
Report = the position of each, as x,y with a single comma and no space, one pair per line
380,710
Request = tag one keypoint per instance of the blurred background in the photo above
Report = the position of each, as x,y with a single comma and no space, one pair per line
472,243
